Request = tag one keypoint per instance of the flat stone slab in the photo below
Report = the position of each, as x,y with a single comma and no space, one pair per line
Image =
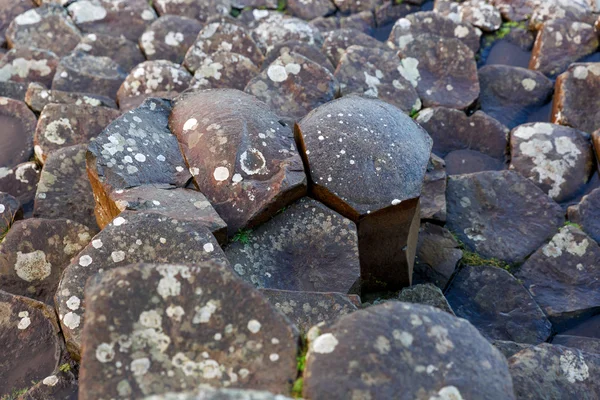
157,78
178,327
21,182
169,38
227,36
38,96
438,255
428,22
179,203
560,43
587,214
475,12
585,344
375,183
224,70
200,10
500,214
128,18
293,85
35,252
136,149
10,211
376,72
29,336
554,372
509,94
124,52
307,309
575,103
337,41
28,65
305,248
64,189
562,276
443,70
132,237
247,167
18,125
425,294
47,28
498,305
276,28
63,125
404,341
433,193
558,159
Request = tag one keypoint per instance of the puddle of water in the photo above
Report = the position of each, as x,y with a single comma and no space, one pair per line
504,52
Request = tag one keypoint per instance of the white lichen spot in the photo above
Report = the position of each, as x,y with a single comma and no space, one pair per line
73,303
151,319
254,326
175,312
447,393
574,366
564,240
85,260
190,124
86,11
221,174
208,247
204,313
461,31
406,338
408,68
277,73
117,256
32,266
140,366
51,380
382,345
25,320
29,17
443,344
97,243
274,357
325,344
119,221
105,352
71,320
529,84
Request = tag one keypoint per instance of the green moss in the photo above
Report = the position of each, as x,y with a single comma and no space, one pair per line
235,12
242,236
66,367
281,5
398,2
297,388
413,113
573,224
14,395
504,30
300,366
474,259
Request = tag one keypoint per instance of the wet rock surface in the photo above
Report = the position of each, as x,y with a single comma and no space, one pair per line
152,341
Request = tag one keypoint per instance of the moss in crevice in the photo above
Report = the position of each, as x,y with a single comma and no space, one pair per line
300,366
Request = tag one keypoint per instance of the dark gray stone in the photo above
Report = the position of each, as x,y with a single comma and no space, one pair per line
426,294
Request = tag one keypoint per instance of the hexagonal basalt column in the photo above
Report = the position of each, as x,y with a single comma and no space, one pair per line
367,160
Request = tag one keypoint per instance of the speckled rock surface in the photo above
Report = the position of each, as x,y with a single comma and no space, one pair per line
28,65
20,182
548,372
31,346
41,28
438,255
375,183
337,41
130,238
443,70
38,96
157,78
475,12
64,189
498,305
307,309
510,94
13,90
428,22
373,344
247,167
35,252
587,214
63,125
201,10
426,294
179,203
585,344
575,10
124,52
562,276
18,125
293,85
9,9
277,27
220,394
309,51
355,6
169,37
433,193
560,43
515,10
559,159
500,214
136,149
224,70
10,211
80,72
193,315
310,9
376,72
575,100
305,248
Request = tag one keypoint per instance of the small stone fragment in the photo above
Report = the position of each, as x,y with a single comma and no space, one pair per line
37,97
28,65
169,38
18,125
426,294
121,50
438,255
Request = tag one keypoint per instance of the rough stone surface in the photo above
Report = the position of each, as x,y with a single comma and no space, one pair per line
309,51
560,160
426,294
310,9
220,394
587,214
515,10
63,125
18,125
201,10
13,90
276,28
293,85
307,309
242,158
500,214
354,6
433,193
64,189
443,70
193,328
337,41
80,72
31,347
136,149
574,10
28,65
585,344
560,43
575,100
306,248
10,211
509,94
376,72
508,348
9,9
498,305
157,78
548,372
46,28
130,238
34,254
37,97
562,276
169,38
438,255
404,341
224,70
475,12
121,50
375,183
20,182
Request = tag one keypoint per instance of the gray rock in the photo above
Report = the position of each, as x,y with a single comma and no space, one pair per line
433,196
585,344
509,348
587,214
426,294
438,255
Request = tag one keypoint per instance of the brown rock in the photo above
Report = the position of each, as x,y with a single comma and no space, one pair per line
336,42
9,9
121,50
60,384
224,70
34,254
38,97
311,52
201,10
475,12
20,182
433,194
18,124
169,38
310,9
277,28
10,211
245,180
355,6
28,65
375,183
